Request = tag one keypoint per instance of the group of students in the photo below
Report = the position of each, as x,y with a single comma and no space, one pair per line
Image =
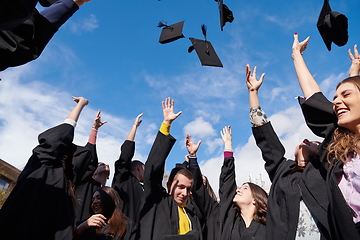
61,192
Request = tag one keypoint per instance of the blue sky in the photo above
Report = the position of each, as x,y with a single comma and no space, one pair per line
108,52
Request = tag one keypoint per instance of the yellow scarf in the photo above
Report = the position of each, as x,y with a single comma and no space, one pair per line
184,222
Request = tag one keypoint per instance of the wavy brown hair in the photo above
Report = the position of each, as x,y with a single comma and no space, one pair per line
110,202
345,142
261,198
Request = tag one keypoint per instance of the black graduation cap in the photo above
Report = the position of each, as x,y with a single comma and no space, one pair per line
333,26
226,15
47,3
205,51
171,33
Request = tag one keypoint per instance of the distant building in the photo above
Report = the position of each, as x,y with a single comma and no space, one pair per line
8,177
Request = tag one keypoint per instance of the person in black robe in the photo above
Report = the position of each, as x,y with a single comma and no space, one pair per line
241,212
106,221
337,122
94,174
164,215
129,175
41,204
298,187
26,41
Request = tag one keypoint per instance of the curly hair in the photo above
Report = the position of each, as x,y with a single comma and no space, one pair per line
261,198
345,142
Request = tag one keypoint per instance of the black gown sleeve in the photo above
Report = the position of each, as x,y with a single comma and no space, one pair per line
25,42
227,188
319,114
154,166
271,148
14,12
126,184
206,204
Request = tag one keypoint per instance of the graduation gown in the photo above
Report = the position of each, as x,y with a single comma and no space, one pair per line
14,12
126,184
321,119
25,42
223,219
40,205
85,185
159,218
288,189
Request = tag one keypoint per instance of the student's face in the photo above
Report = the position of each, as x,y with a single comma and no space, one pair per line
347,106
244,195
96,205
180,188
306,149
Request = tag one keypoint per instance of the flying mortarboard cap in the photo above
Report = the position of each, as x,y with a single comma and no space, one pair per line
47,3
171,33
205,51
226,15
333,26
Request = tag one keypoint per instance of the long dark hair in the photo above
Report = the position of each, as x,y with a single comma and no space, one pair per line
110,202
261,198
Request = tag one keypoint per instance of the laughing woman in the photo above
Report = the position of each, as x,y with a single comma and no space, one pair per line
339,123
107,220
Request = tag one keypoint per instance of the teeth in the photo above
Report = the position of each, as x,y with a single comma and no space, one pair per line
341,111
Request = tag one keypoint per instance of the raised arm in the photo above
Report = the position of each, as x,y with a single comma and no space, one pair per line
253,85
355,62
75,112
227,185
206,204
307,83
132,133
95,127
154,166
257,115
123,164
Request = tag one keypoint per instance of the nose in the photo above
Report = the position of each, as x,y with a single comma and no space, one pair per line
306,141
336,101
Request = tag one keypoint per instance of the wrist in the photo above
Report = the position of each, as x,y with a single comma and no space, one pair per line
167,122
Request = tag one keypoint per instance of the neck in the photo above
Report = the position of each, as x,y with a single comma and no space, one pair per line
247,214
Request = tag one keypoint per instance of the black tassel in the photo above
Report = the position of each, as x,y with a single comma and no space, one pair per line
203,29
162,24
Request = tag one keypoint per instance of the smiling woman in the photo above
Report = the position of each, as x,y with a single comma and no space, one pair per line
107,220
339,123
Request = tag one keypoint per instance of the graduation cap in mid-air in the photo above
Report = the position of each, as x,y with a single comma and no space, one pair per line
226,15
170,33
333,26
47,3
205,51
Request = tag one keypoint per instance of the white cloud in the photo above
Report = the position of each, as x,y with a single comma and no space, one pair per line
199,128
28,109
83,25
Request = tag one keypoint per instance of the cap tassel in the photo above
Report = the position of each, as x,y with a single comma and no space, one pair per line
204,29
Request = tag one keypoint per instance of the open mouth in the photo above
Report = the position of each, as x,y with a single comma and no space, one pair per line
341,112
